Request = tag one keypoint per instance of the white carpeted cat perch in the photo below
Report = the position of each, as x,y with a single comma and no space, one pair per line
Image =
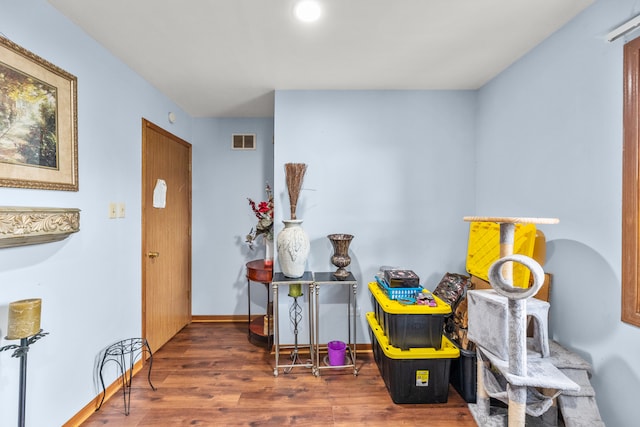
498,322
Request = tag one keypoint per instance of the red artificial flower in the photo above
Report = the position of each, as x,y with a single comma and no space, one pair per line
264,212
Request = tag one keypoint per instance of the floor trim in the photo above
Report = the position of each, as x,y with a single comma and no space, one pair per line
90,407
231,318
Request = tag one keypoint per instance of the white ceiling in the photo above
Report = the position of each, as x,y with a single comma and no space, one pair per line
225,58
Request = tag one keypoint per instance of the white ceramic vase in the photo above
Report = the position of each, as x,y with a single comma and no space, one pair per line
293,248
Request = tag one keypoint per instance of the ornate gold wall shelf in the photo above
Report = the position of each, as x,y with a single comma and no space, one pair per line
27,226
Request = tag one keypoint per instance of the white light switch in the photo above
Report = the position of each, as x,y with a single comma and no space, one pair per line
121,210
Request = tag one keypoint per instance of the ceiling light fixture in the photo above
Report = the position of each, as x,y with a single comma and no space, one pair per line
307,11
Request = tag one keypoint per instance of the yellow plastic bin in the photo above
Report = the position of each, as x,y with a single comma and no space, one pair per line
484,249
409,326
418,375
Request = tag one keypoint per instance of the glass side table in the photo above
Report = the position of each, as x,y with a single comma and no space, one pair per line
280,279
328,279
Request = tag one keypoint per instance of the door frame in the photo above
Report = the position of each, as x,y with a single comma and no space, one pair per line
146,126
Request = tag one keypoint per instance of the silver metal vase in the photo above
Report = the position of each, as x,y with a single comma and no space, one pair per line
340,257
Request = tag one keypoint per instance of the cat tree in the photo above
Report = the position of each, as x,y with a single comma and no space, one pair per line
522,375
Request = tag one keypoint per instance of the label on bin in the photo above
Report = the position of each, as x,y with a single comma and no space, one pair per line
422,378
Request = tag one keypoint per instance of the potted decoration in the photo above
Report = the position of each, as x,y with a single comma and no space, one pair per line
264,212
292,242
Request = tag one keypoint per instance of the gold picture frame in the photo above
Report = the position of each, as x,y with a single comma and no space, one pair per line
38,122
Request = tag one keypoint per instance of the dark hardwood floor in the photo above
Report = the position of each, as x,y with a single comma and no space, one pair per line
211,375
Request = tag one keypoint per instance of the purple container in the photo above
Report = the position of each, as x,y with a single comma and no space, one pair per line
337,351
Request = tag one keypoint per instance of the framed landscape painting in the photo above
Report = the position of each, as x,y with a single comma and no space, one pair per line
38,122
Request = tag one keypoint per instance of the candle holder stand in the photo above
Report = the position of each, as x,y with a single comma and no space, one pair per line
21,352
295,316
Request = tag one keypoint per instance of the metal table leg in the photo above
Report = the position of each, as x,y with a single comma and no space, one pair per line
276,327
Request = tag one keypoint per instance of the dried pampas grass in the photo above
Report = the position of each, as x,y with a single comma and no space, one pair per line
294,173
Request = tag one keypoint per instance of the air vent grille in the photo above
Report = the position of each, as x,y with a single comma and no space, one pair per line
243,141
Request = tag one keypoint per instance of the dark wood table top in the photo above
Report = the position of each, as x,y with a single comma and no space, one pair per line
258,271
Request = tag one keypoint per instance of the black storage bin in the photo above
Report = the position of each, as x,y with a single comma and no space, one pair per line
416,375
409,326
463,375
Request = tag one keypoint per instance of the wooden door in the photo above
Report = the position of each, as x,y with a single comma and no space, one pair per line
166,235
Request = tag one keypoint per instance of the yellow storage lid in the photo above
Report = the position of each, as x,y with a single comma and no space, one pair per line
394,307
447,351
484,249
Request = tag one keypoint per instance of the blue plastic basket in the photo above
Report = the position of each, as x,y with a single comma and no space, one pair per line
398,293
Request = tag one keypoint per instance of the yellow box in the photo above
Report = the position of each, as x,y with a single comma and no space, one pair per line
484,249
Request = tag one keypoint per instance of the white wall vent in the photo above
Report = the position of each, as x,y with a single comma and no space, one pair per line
245,141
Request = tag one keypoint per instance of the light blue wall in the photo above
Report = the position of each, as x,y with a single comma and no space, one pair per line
90,282
222,181
549,144
393,168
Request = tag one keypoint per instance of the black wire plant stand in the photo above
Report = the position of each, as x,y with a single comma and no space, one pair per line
124,354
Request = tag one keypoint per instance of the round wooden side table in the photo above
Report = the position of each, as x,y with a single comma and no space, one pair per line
260,328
